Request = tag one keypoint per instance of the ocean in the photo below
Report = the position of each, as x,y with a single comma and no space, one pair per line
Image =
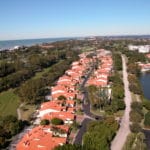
28,42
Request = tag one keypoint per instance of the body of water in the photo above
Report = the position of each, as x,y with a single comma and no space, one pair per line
145,82
28,42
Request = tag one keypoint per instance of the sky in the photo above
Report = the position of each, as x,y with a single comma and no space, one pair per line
25,19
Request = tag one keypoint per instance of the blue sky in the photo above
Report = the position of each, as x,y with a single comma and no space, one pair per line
21,19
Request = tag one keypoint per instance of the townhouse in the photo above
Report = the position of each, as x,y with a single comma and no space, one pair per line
43,137
62,106
103,71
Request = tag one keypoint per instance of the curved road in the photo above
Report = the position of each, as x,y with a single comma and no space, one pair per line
124,130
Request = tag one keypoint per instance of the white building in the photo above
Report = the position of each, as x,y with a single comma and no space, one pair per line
140,48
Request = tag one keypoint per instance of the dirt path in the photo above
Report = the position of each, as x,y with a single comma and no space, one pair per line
119,140
18,111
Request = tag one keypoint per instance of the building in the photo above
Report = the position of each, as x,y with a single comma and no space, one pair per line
140,48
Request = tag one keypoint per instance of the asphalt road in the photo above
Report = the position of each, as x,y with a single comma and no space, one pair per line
86,108
78,139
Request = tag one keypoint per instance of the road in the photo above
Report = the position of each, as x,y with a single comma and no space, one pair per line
86,102
124,129
86,108
78,139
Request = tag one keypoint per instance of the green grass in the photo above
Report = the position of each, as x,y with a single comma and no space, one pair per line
8,103
98,112
39,74
27,110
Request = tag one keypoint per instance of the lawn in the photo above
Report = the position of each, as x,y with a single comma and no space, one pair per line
8,103
98,112
26,111
39,74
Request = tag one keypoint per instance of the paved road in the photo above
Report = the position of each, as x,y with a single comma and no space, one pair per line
124,130
78,139
86,108
86,102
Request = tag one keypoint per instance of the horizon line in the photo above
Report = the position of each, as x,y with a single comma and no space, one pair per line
107,35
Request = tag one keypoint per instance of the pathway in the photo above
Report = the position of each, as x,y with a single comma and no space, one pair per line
124,130
19,111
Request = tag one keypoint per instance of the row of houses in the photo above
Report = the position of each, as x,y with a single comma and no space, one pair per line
62,105
103,70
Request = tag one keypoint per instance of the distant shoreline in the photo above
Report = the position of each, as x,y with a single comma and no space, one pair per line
10,44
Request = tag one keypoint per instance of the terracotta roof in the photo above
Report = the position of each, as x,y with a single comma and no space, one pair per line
62,115
39,138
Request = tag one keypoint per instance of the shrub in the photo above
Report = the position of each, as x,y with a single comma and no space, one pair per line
62,97
136,105
135,116
147,119
146,104
121,105
135,127
57,121
44,122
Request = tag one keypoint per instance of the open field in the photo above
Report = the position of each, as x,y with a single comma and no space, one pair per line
8,103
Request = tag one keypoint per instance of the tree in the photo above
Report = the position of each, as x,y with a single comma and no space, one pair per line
30,92
57,121
99,134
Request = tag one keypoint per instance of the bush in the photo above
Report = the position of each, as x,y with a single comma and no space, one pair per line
121,105
136,106
147,119
135,116
146,104
135,127
44,122
57,121
62,97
